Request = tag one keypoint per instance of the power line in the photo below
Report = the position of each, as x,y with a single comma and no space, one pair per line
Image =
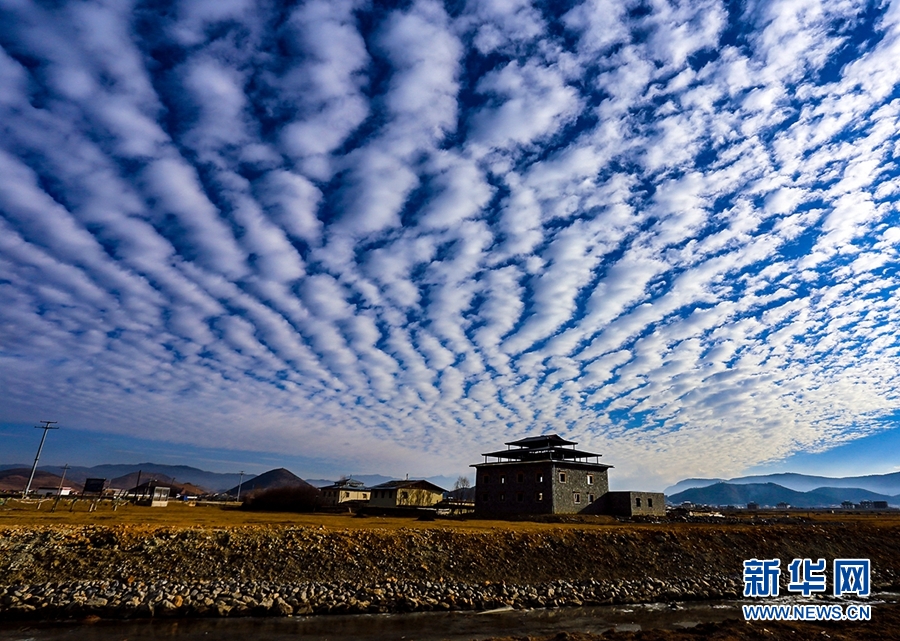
240,484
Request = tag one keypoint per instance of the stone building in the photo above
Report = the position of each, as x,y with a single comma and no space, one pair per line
547,475
634,503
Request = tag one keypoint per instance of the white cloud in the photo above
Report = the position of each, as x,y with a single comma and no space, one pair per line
534,102
453,227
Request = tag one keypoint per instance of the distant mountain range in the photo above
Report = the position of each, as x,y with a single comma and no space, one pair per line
178,474
881,483
16,479
76,475
771,494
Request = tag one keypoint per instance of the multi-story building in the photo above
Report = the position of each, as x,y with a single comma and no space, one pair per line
547,475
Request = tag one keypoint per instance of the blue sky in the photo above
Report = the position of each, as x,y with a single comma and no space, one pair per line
386,238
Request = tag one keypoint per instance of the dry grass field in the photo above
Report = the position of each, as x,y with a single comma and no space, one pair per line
16,512
27,513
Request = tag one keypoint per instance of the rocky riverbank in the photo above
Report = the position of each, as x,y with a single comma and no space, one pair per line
128,571
114,599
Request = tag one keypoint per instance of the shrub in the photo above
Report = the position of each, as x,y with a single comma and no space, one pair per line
284,499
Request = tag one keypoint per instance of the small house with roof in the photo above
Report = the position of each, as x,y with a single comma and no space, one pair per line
151,494
547,475
345,491
405,494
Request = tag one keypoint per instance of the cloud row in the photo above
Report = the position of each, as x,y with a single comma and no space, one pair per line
392,238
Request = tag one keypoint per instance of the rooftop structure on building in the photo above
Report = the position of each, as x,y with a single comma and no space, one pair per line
347,490
545,447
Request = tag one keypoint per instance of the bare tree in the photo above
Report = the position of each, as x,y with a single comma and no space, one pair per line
462,483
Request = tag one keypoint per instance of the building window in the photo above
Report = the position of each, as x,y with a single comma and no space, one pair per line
590,498
520,497
590,479
577,497
520,477
502,496
487,478
538,496
562,477
637,502
649,502
539,478
502,479
485,497
404,495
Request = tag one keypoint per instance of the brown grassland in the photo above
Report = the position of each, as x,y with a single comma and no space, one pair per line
16,512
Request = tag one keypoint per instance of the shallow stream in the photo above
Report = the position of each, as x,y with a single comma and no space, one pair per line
421,626
424,626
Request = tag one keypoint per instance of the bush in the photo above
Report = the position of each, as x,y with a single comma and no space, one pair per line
284,499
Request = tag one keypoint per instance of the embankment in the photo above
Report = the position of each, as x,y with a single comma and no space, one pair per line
122,571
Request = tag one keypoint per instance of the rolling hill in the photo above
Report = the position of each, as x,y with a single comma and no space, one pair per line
881,483
15,480
269,480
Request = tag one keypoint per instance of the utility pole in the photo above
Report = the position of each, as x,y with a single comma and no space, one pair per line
47,425
59,492
240,484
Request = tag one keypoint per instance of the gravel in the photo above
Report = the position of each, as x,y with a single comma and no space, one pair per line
155,571
117,599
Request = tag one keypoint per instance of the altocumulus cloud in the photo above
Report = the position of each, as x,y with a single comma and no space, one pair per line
390,236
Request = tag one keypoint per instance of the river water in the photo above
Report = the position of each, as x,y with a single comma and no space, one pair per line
425,626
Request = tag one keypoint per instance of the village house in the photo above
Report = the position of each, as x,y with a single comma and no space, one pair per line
345,491
405,494
547,475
